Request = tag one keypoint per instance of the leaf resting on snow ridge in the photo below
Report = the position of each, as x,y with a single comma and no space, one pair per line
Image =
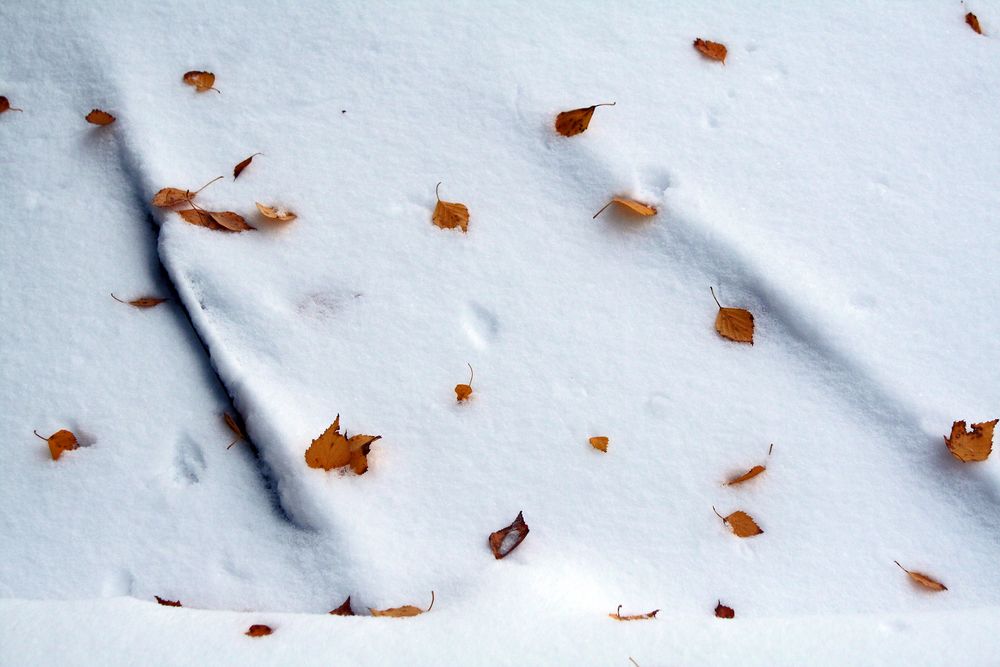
259,630
98,117
573,122
923,579
974,445
749,474
234,427
168,603
201,81
973,22
344,609
505,540
59,442
734,323
600,442
634,617
404,611
448,215
231,221
243,164
335,450
275,213
712,50
629,205
169,197
225,221
722,611
741,523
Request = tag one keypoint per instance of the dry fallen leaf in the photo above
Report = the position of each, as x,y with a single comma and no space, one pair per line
224,221
168,197
569,123
141,302
59,442
722,611
600,442
259,631
168,603
231,221
749,474
234,427
275,213
448,215
404,611
464,391
344,609
971,446
634,617
243,164
201,81
741,523
5,105
973,22
98,117
733,323
712,50
630,205
505,540
334,450
923,579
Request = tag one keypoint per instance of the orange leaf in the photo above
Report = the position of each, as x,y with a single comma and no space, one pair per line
234,427
722,611
142,302
749,474
201,81
168,603
569,123
712,50
238,169
741,523
971,446
404,611
259,631
973,22
629,205
231,221
196,216
464,391
734,323
59,442
505,540
600,442
923,579
168,197
98,117
344,609
275,213
334,450
5,105
448,215
634,617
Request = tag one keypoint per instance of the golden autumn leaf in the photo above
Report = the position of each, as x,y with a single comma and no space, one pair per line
59,442
275,213
168,603
344,609
741,523
243,164
169,197
569,123
448,215
258,630
505,540
749,474
923,579
974,445
141,302
733,323
633,617
98,117
5,105
722,611
629,205
464,391
973,22
201,81
335,450
600,442
234,427
402,612
712,50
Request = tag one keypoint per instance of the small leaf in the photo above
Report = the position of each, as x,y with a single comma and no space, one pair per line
141,302
5,105
59,442
464,391
570,123
275,213
168,603
712,50
98,117
201,81
231,221
634,617
923,579
259,631
600,442
404,611
200,218
234,427
630,205
749,474
243,164
741,523
334,450
734,323
722,611
505,540
169,197
974,445
973,22
344,609
448,215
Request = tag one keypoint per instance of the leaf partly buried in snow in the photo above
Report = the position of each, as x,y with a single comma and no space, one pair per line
573,122
335,450
5,105
973,22
243,164
275,213
923,579
600,442
974,445
168,603
741,523
634,617
402,612
259,630
505,540
629,205
733,323
712,50
234,427
749,474
722,611
201,81
464,391
448,215
59,442
169,197
344,609
98,117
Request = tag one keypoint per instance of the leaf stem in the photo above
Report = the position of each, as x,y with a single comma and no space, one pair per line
602,209
117,299
714,297
436,190
46,440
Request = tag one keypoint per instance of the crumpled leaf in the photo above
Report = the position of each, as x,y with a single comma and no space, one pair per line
569,123
600,442
749,474
275,213
448,215
712,50
169,197
404,611
722,611
98,117
505,540
334,450
5,105
634,617
734,323
741,523
259,630
344,609
923,579
974,445
234,427
59,442
201,81
168,603
243,164
629,205
973,22
141,302
464,391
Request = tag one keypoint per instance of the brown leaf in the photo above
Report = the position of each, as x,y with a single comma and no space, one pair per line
629,205
505,540
275,213
344,609
973,22
201,81
98,117
141,302
243,164
722,611
231,221
59,442
334,450
464,391
569,123
749,474
634,617
196,216
234,427
734,323
741,523
923,579
168,603
712,50
404,611
5,105
259,631
448,215
600,442
168,197
971,446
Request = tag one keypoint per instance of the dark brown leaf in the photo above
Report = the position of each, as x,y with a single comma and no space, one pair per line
505,540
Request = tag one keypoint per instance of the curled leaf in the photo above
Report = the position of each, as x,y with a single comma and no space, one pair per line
234,427
275,213
974,445
259,630
600,442
243,164
464,391
335,450
168,603
923,579
98,117
5,105
749,474
712,50
169,197
402,612
59,442
722,611
741,523
505,540
201,81
448,215
141,302
734,323
629,205
573,122
973,22
634,617
344,609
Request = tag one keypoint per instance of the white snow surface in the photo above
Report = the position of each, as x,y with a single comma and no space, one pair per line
839,177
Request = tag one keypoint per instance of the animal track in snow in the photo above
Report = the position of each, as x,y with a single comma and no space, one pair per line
481,325
189,462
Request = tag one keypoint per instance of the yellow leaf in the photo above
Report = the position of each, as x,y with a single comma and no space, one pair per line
974,445
448,215
404,611
201,81
600,442
629,205
569,123
334,450
923,579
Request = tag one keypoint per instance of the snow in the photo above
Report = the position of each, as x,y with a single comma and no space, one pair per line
838,177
